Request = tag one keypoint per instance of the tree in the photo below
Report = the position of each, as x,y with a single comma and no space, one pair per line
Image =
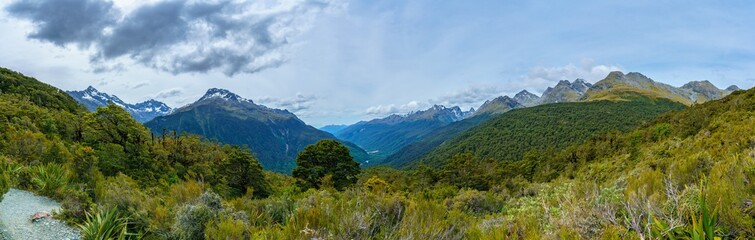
326,157
243,171
121,144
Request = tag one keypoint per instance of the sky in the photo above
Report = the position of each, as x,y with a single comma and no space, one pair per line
339,61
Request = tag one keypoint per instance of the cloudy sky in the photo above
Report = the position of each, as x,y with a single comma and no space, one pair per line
338,61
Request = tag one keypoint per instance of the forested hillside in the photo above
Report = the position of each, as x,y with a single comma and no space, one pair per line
552,126
410,153
39,93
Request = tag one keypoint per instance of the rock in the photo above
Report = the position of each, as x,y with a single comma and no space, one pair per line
39,215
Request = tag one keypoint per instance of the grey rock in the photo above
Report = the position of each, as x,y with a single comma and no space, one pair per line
526,98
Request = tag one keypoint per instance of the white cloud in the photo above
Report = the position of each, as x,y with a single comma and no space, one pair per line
382,110
540,77
472,96
298,104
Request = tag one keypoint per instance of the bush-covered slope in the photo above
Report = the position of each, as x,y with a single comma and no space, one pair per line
37,92
685,175
508,136
107,160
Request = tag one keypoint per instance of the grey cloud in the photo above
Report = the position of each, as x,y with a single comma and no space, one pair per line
297,104
101,68
145,29
66,21
139,85
169,93
176,36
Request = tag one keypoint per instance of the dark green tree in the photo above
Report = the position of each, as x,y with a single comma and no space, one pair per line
121,143
243,171
326,157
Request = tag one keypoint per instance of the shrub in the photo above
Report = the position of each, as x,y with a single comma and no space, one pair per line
226,228
49,179
184,192
431,220
191,219
376,185
8,175
123,193
75,204
102,224
475,202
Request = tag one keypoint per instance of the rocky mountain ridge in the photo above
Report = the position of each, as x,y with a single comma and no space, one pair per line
92,98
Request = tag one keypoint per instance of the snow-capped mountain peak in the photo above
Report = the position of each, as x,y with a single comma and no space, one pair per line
152,106
224,94
91,89
142,112
102,99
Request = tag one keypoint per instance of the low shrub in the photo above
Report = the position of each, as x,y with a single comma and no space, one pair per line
101,224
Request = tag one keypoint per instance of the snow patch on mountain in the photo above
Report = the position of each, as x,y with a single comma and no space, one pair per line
92,98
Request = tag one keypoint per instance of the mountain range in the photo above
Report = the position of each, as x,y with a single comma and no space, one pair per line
275,136
616,86
384,136
616,83
564,91
91,98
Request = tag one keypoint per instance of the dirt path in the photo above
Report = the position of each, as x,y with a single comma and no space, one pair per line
16,210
